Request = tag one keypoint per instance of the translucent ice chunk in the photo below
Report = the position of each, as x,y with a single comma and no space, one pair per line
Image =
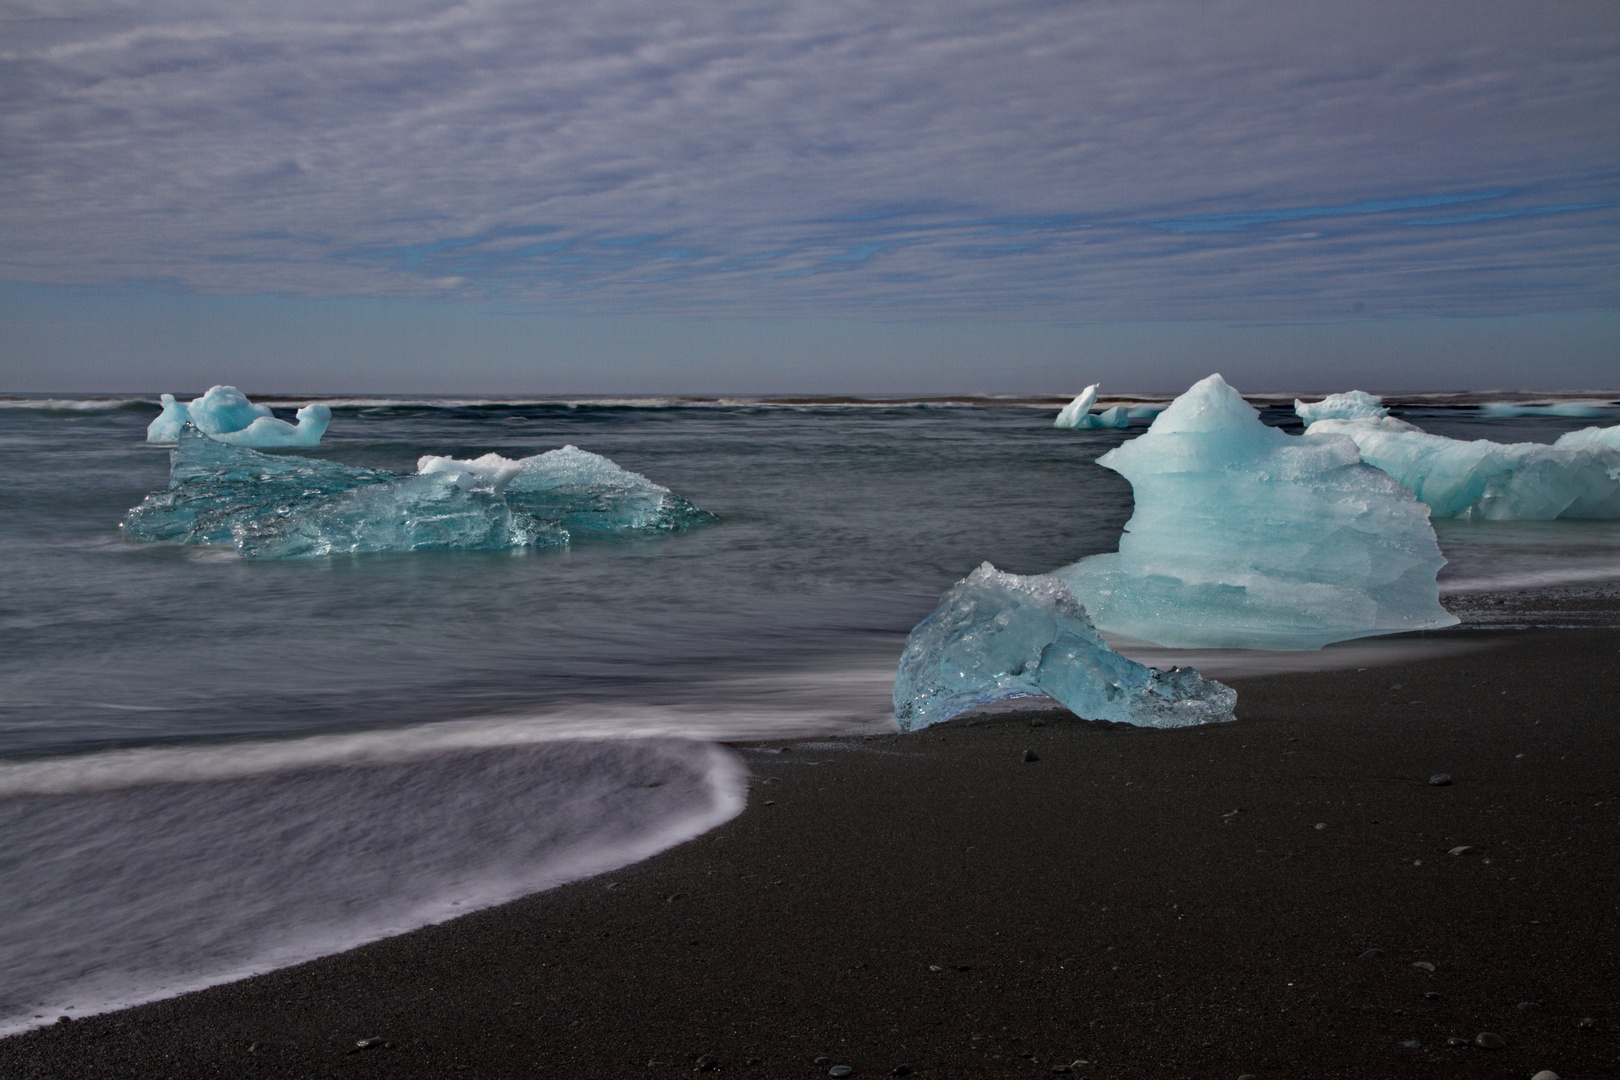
1247,537
1578,409
1354,405
1077,412
1577,477
996,636
588,493
225,413
279,507
267,432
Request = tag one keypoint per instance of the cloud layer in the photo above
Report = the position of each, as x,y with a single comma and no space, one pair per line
1022,160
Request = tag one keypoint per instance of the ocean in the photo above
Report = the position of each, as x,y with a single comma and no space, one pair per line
212,766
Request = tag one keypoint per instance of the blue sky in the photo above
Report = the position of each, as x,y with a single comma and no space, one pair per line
829,196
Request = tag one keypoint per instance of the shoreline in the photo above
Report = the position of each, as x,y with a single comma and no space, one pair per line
1135,903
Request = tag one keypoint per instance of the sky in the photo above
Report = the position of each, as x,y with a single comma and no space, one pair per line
833,197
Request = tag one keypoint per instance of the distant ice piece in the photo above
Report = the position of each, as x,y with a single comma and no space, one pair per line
225,413
996,636
271,507
1077,413
1584,410
268,433
1354,405
1247,537
1576,477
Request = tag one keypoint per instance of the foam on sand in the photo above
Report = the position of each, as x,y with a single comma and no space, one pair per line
136,875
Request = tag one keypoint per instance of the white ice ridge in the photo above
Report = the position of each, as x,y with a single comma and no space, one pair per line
1077,413
1354,405
226,414
1576,477
1247,537
996,636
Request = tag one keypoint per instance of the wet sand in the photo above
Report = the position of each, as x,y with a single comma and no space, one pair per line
1252,898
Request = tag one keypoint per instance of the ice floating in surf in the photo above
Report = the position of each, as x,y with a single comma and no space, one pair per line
1078,414
272,507
1576,477
225,413
1354,405
996,636
1247,537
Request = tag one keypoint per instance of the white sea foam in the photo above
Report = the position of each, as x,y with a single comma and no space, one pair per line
135,875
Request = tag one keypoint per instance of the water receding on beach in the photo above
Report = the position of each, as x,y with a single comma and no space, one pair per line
213,763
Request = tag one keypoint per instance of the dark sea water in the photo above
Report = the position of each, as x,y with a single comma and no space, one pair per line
223,764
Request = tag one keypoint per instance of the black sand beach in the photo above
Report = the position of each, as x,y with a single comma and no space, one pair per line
1275,897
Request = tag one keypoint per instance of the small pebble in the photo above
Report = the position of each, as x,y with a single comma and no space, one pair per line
1440,779
1488,1040
900,1070
1248,1076
822,1060
1460,849
1037,722
1030,755
367,1044
1545,1074
1526,1006
840,1070
1432,995
1371,954
1321,825
64,1019
1454,1041
672,897
1586,1022
1412,1044
1423,965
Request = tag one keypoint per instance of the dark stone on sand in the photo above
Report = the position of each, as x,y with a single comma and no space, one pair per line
1526,1006
672,897
1371,954
369,1043
822,1060
1037,722
706,1063
841,1070
1489,1040
1423,965
1440,779
1432,995
900,1070
1030,755
1412,1044
64,1019
1455,1041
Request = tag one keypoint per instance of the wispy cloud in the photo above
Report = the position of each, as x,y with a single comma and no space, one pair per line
1048,160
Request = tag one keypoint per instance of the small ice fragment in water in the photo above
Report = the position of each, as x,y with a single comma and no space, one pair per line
1077,413
1354,405
225,413
996,636
267,432
1246,537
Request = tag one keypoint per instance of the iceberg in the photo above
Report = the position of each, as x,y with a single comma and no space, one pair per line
271,507
225,413
1247,537
996,636
1582,410
1576,477
1354,405
1077,413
